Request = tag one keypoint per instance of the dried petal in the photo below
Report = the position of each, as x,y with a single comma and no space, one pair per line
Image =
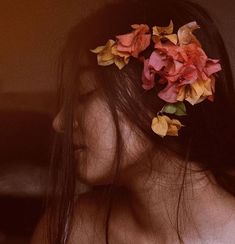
157,30
162,125
108,54
173,127
136,41
185,34
164,33
197,91
169,93
157,61
212,66
147,76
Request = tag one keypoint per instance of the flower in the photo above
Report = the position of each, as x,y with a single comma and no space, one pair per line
162,125
135,42
181,66
164,33
178,62
197,91
108,54
185,34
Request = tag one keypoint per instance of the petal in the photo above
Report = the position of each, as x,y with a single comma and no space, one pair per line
189,74
169,93
108,45
167,30
173,127
172,38
141,43
147,76
181,94
142,28
159,125
98,49
171,50
211,97
125,40
106,55
104,63
156,61
212,66
120,63
185,33
195,92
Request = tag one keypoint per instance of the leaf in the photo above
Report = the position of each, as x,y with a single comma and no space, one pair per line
170,108
180,109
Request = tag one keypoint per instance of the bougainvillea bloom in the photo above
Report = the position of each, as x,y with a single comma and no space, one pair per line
177,63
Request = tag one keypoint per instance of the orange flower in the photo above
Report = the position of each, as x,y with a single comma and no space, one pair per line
135,42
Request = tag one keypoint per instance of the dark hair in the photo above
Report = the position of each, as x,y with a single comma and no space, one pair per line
208,137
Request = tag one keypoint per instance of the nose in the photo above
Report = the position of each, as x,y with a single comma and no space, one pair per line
58,123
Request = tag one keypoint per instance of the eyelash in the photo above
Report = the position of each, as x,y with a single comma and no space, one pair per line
86,96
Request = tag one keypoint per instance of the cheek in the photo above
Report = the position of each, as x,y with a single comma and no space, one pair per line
135,144
100,138
100,129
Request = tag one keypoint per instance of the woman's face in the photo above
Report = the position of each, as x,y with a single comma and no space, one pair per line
94,136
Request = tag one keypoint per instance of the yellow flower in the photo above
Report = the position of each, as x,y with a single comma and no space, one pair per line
162,125
164,32
198,91
108,54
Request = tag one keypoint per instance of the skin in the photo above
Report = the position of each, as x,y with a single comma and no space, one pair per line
144,209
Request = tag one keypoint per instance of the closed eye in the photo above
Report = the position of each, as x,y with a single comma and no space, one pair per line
86,96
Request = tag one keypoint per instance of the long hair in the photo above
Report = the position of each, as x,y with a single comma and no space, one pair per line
208,137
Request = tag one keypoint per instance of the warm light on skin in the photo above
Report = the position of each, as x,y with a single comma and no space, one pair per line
96,161
153,181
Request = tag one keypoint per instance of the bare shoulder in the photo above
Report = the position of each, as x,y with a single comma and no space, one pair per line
88,222
89,218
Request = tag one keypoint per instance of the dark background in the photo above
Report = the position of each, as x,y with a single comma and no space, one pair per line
31,35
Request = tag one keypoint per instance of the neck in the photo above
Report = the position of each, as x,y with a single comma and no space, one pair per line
166,196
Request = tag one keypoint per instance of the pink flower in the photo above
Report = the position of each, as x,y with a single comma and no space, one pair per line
136,41
147,76
181,66
151,66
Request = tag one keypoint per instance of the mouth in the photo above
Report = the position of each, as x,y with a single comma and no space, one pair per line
79,148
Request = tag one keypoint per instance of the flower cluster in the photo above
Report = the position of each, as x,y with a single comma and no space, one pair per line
177,62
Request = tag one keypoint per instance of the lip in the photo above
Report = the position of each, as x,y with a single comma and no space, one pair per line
79,147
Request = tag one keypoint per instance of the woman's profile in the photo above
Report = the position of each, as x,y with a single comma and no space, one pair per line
145,119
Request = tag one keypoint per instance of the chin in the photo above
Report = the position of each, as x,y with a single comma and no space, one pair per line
94,179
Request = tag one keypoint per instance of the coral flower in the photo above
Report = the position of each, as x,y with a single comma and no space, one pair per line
136,41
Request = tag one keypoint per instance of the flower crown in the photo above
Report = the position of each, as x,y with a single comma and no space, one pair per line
178,61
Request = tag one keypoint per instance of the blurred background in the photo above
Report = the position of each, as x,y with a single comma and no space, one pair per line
31,35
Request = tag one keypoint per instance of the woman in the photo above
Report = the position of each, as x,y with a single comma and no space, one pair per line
118,123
